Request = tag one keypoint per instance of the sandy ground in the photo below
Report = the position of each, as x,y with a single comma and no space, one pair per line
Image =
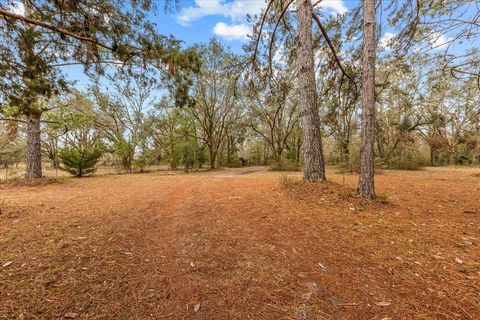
239,244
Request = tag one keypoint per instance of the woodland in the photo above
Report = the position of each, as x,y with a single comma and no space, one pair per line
328,170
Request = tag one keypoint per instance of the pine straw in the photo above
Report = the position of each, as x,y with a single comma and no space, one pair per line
23,182
242,247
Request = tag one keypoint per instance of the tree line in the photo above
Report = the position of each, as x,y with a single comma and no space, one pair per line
309,90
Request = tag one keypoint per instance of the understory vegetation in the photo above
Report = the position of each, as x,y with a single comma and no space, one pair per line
151,100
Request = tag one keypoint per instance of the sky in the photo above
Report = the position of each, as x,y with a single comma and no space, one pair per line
200,20
197,21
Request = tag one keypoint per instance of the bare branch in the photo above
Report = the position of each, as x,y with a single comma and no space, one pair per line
332,48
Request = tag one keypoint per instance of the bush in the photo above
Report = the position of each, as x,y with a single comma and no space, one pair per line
462,160
79,163
125,153
406,163
143,160
409,162
284,166
185,153
352,165
200,155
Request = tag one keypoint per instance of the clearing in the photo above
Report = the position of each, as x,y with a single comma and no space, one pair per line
242,245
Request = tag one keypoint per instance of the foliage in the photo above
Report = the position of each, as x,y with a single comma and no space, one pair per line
185,152
284,165
410,162
153,101
80,162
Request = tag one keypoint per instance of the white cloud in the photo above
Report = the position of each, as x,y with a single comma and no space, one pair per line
438,40
17,8
237,10
336,6
385,41
231,32
280,55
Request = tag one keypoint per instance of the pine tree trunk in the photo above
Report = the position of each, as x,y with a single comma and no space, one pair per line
366,184
34,159
314,168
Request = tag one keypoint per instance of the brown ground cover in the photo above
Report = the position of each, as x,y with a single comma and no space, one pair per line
226,245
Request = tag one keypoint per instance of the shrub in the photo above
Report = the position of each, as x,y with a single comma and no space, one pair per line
79,163
462,160
200,155
284,166
352,165
185,153
143,160
406,163
288,182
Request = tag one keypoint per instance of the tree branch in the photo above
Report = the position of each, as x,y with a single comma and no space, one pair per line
332,48
8,14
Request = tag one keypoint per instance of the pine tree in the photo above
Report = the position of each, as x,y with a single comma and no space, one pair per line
366,184
80,162
51,34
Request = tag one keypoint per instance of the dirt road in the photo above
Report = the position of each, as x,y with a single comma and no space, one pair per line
224,245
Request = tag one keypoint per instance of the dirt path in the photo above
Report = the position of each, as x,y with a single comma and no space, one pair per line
203,247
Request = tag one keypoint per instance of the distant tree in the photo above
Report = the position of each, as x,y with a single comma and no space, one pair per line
453,115
185,152
80,146
51,34
122,111
282,19
339,113
213,89
273,111
12,147
163,125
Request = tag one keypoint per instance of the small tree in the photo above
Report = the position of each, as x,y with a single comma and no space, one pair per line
200,155
80,162
82,146
185,152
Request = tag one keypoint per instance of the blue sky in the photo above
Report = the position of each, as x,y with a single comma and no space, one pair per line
200,20
197,21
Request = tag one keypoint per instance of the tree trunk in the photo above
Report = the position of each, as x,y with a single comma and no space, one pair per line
213,159
432,156
366,184
298,151
34,159
278,160
229,151
344,151
450,157
314,167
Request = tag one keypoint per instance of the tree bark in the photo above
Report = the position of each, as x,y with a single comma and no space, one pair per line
366,184
34,151
213,159
450,157
314,167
